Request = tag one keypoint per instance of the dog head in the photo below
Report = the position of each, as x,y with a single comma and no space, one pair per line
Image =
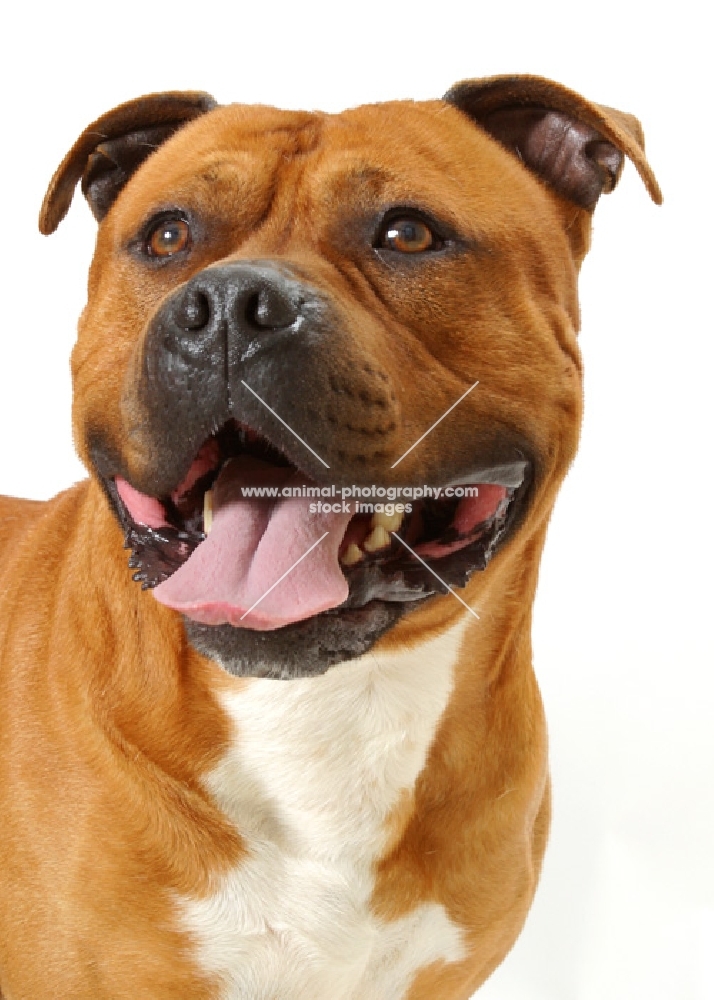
296,302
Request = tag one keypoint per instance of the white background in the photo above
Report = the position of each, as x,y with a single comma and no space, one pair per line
623,620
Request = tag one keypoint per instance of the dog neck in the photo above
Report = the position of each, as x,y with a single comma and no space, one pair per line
319,763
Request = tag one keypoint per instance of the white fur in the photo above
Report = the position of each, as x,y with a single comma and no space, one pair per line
316,767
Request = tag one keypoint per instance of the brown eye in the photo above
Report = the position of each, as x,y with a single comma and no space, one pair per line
408,236
170,237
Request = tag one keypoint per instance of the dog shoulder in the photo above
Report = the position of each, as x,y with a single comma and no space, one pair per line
16,516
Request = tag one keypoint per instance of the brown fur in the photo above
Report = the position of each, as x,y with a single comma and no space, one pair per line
108,718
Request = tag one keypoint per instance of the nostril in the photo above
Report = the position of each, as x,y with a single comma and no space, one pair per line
194,311
251,308
268,309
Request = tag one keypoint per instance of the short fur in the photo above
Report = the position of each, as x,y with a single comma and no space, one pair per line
376,832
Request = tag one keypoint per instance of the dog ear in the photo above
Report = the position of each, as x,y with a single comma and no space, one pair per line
113,147
575,146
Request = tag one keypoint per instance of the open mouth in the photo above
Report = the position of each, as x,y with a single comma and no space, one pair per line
220,555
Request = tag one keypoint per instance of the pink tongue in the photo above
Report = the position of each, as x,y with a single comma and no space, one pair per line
233,575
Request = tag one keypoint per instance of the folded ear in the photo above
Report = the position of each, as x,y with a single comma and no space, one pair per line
113,147
575,146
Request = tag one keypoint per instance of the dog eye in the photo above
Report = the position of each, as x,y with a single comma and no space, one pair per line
170,237
408,236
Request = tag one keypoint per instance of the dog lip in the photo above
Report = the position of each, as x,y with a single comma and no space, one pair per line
404,580
161,548
509,474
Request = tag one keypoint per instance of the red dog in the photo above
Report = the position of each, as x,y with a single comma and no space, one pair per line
300,768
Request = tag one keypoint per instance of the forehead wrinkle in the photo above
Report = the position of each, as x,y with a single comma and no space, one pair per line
348,181
232,137
289,182
297,133
368,188
418,167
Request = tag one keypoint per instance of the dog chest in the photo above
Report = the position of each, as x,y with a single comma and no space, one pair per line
315,769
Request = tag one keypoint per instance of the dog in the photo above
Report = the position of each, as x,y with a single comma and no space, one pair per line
295,748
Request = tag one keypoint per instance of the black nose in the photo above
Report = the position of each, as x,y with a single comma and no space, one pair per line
244,299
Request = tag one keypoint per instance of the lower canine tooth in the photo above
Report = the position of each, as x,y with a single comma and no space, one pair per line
379,539
207,511
390,522
352,554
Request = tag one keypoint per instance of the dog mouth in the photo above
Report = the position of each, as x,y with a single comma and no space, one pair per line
249,540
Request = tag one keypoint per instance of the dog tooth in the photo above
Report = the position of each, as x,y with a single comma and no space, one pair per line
390,522
207,511
352,554
378,539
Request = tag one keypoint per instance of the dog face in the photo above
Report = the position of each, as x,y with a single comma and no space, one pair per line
283,299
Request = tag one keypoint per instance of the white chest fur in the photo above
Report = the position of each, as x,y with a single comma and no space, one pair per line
316,767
